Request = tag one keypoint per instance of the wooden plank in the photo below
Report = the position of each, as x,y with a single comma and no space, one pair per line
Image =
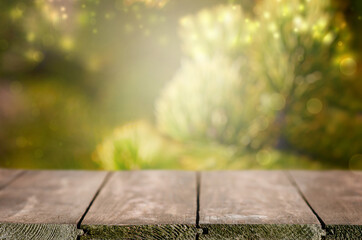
46,204
254,205
336,196
144,205
8,175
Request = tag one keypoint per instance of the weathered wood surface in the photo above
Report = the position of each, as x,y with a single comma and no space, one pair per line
8,175
144,205
46,204
254,205
164,204
336,196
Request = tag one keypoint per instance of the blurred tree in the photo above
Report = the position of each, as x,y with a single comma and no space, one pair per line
256,77
225,103
315,72
85,55
296,73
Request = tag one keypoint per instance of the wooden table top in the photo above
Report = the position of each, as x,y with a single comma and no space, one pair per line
167,204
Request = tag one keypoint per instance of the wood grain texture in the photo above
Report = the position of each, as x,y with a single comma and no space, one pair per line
46,204
8,175
336,196
254,205
144,205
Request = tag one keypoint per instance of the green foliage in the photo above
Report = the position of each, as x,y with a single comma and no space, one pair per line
137,145
30,27
46,117
214,96
253,83
262,84
210,101
291,57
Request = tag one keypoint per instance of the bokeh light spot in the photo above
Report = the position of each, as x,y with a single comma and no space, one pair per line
314,105
67,43
16,13
30,37
328,38
348,66
34,55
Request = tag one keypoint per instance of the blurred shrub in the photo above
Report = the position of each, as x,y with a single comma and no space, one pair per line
137,145
47,126
211,101
280,78
260,80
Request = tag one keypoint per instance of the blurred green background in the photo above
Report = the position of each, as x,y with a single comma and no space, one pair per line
207,84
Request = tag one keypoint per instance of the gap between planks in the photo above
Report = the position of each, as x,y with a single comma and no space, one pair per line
198,192
293,182
204,231
21,172
198,182
105,180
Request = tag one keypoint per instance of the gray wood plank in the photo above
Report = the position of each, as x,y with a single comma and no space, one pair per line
46,204
8,175
336,196
144,205
254,205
